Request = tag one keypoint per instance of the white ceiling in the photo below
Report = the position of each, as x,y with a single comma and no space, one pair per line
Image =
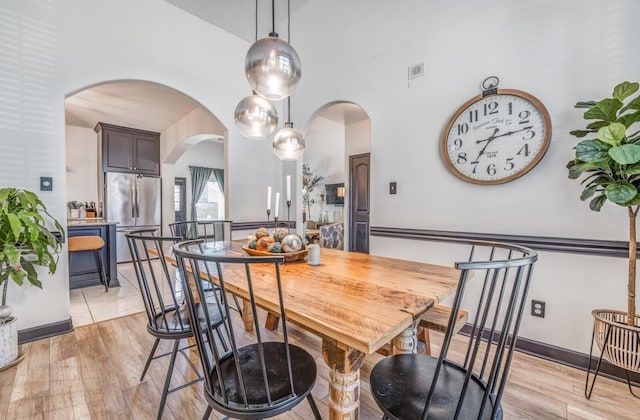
134,104
329,35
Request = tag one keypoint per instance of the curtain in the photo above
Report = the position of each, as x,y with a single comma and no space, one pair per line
199,178
219,175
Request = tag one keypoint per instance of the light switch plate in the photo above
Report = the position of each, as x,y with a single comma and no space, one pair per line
393,187
46,183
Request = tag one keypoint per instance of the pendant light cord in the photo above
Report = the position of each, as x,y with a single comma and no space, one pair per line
289,41
273,16
256,21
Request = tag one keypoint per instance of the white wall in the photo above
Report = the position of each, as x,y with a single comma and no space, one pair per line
51,50
559,51
81,164
325,150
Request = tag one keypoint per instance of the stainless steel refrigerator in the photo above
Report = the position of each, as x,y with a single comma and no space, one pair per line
133,201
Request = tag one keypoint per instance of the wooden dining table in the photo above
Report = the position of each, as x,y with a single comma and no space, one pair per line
355,302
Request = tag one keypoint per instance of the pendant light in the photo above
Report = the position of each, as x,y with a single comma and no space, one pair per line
289,144
256,117
272,66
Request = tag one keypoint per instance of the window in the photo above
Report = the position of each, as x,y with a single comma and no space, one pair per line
211,203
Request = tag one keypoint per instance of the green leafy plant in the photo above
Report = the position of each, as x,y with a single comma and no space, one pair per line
610,162
25,241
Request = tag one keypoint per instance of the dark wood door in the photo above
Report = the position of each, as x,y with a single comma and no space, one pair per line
359,203
180,199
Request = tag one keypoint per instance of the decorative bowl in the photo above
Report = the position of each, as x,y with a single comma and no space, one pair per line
288,256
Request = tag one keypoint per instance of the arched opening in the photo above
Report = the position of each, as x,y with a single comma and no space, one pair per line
335,134
179,123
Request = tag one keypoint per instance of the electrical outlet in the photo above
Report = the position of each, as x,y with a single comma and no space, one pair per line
393,188
537,308
415,71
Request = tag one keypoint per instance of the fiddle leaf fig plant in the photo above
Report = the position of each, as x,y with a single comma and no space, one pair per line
609,162
25,241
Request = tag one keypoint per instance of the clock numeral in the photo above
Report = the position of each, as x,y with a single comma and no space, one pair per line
475,166
529,134
509,165
491,169
457,144
462,158
524,150
491,108
524,117
510,108
473,115
463,128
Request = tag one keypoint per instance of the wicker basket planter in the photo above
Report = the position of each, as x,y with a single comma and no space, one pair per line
619,343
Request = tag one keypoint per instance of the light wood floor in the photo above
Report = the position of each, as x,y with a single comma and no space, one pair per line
93,373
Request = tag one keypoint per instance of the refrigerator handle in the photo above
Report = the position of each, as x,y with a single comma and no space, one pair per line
133,198
137,199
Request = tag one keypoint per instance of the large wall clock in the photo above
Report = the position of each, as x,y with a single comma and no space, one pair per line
497,136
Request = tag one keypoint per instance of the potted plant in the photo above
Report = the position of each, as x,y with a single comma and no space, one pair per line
74,208
309,181
609,159
25,243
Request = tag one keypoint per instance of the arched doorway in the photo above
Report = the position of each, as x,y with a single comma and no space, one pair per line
141,105
337,132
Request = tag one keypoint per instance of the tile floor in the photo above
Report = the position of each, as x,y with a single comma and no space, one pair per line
93,304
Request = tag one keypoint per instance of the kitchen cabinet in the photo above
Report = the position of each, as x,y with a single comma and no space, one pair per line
122,149
83,268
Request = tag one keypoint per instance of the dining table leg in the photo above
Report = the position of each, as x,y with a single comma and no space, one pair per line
406,341
344,379
247,317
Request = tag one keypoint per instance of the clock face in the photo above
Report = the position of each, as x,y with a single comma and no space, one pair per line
496,138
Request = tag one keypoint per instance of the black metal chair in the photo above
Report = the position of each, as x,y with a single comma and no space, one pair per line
164,303
256,379
209,230
467,384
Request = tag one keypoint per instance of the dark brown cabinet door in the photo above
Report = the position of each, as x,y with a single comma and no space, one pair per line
118,151
146,155
129,150
359,203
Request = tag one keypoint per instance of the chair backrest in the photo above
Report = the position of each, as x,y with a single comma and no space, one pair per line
494,285
160,288
209,230
332,236
243,378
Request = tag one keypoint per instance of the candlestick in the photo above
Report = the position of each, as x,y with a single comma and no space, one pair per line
288,187
275,216
275,223
268,214
288,215
269,198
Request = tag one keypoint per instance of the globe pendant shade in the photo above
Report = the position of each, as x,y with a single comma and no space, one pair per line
288,144
273,68
255,117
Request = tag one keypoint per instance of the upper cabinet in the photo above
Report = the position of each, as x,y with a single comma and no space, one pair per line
123,149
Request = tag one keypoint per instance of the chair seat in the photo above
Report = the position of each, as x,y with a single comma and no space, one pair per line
173,321
304,373
400,384
85,243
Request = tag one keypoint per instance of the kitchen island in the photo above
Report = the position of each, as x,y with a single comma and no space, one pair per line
83,268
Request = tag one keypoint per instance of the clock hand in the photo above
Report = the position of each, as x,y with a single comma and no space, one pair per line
504,134
494,136
488,140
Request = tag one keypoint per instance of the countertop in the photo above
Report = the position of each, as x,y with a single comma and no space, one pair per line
89,221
